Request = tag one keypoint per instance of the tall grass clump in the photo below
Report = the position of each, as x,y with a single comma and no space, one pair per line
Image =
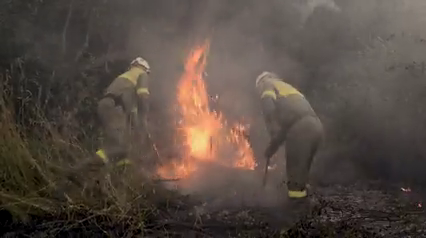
35,166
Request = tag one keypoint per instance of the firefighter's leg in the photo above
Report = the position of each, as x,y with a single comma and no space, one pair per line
302,144
114,150
118,144
113,122
106,110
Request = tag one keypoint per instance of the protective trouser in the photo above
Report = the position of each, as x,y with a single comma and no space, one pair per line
302,143
114,122
115,147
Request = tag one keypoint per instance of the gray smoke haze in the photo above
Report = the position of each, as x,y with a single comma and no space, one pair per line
360,63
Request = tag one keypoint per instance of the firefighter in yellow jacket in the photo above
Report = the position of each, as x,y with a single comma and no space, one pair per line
124,106
290,118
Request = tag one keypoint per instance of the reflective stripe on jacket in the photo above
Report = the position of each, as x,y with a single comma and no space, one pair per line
282,105
131,90
136,76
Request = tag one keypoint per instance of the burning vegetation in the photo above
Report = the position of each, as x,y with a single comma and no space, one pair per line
205,133
359,66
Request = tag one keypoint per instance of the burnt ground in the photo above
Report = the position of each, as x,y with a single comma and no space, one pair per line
362,210
365,209
368,209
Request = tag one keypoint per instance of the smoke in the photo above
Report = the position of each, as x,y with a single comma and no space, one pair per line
226,187
359,63
307,8
372,92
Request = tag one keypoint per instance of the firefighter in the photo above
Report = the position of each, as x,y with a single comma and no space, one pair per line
124,106
289,117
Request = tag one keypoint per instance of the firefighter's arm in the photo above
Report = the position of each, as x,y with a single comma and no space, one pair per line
129,106
142,91
268,98
275,144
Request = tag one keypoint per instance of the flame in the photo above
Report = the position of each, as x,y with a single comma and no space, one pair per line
204,133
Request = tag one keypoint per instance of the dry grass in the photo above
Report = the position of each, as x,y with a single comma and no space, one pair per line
33,169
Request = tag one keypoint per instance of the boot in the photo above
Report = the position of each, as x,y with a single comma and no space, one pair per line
299,205
287,216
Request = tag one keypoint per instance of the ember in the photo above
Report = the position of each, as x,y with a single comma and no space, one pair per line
204,133
408,190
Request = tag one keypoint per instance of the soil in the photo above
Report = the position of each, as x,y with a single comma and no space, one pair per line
366,209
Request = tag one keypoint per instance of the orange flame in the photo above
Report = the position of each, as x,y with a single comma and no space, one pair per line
205,134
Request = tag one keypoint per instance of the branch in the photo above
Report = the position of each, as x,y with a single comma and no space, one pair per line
67,22
87,38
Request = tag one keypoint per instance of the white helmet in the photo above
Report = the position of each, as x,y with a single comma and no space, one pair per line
263,76
141,62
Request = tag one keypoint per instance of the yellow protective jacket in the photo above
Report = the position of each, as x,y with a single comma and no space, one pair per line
130,89
282,106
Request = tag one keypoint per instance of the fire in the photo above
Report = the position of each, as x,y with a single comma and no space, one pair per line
204,133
